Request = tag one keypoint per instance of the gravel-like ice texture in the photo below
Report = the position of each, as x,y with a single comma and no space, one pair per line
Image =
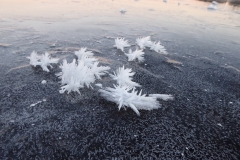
202,122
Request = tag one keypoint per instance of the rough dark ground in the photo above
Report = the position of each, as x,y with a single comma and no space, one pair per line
202,122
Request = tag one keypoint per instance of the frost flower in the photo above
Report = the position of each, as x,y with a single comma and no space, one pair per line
124,96
124,77
144,42
78,74
83,52
72,85
43,60
85,56
34,59
120,43
157,47
137,54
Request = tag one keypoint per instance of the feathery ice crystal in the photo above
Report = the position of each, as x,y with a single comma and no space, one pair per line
43,60
83,53
157,47
144,42
124,77
125,96
124,93
86,57
137,54
34,59
120,43
77,75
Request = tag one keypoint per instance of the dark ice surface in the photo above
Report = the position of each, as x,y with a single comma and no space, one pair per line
202,72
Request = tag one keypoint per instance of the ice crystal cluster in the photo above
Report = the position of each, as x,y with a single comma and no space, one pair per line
146,42
43,60
124,93
81,72
85,70
143,43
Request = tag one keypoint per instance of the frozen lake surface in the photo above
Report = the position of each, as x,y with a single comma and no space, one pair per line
201,70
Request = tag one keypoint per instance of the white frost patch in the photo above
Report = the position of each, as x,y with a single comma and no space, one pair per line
44,82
